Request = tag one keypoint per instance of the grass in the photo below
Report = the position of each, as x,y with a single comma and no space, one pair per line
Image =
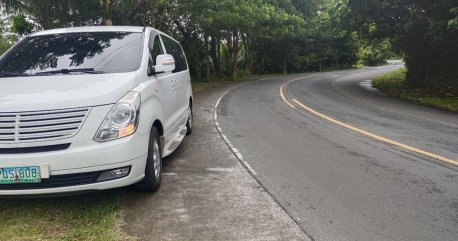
87,217
393,83
199,85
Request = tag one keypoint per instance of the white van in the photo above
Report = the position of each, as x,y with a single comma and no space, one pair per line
91,108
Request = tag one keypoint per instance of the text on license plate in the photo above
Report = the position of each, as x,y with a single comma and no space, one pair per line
13,175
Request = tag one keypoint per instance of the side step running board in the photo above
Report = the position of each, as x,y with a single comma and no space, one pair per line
175,142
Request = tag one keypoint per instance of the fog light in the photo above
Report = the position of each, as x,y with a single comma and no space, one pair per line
113,174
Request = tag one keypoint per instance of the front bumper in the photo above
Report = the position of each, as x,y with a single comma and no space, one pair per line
83,157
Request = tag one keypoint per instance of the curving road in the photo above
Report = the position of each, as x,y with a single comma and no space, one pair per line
335,182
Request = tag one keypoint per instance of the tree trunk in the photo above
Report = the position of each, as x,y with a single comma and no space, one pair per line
285,62
207,60
233,49
197,70
107,12
214,54
248,54
218,49
44,16
196,60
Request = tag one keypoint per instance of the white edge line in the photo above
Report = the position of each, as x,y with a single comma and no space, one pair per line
240,157
231,146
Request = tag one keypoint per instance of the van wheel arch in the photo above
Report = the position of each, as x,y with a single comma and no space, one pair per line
158,125
160,129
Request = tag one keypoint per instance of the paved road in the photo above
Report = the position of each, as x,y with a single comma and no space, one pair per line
339,184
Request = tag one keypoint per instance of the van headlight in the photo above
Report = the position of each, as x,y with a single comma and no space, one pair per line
122,120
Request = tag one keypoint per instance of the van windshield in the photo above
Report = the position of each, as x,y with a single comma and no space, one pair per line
74,53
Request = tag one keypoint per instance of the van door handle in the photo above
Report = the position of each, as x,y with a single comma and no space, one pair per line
174,84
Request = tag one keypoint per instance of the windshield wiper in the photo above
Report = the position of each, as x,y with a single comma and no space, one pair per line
12,74
68,71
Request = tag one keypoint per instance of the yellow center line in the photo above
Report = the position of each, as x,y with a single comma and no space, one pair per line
284,98
366,133
282,95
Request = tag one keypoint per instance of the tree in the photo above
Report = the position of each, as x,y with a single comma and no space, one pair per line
226,38
422,31
49,14
21,25
4,41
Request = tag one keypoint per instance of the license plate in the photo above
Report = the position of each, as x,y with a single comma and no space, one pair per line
14,175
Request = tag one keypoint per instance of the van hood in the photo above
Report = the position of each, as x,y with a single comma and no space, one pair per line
63,91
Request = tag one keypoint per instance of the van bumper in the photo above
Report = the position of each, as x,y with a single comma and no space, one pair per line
77,168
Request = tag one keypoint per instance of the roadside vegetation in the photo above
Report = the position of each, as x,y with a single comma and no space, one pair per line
425,33
394,83
87,217
223,40
227,39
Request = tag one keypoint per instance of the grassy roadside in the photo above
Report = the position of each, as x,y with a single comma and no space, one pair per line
393,84
88,217
199,85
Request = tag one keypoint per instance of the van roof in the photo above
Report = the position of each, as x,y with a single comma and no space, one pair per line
135,29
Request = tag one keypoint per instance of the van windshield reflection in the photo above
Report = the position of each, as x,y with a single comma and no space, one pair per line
73,53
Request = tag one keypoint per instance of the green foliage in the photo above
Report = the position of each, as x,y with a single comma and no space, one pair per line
228,37
453,23
4,45
47,14
21,26
393,83
333,44
375,52
423,31
5,41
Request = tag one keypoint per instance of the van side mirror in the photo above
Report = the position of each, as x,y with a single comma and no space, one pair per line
164,63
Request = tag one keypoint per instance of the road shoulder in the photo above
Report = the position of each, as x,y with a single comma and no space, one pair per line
206,193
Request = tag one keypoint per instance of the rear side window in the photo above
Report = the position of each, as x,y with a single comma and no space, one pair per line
155,49
173,48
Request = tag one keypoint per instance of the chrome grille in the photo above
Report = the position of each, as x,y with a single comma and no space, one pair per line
40,125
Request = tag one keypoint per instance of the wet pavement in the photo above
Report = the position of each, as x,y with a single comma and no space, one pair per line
206,193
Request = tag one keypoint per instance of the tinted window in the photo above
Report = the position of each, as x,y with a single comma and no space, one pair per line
112,52
176,51
155,49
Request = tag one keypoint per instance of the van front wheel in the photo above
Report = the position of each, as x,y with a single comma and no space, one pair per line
153,170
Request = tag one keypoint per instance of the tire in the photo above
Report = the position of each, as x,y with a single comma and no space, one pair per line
190,121
153,170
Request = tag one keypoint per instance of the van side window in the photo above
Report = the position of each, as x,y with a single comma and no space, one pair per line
155,49
173,48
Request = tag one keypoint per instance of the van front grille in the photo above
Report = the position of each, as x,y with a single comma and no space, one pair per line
40,125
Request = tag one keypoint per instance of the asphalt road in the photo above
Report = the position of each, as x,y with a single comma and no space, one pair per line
339,184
